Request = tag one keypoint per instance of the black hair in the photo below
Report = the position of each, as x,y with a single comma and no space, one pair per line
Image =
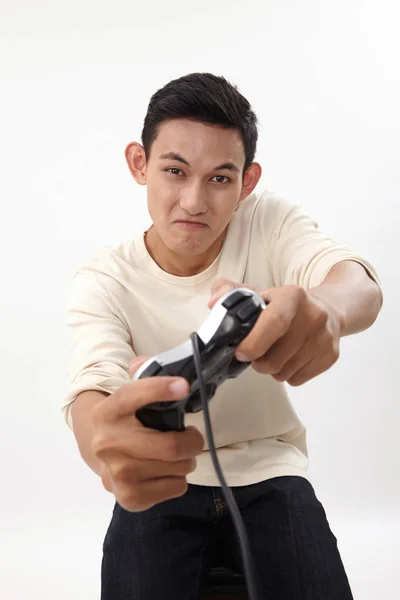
204,98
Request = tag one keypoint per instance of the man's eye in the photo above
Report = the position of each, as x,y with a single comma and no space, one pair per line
219,177
174,171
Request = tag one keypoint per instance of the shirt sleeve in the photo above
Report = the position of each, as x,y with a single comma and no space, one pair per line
300,253
100,343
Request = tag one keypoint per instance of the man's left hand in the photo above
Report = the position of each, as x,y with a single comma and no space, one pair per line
295,338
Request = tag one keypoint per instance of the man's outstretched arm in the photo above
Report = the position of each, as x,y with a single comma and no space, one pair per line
356,297
297,337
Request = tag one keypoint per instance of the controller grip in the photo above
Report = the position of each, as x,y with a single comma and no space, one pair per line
170,419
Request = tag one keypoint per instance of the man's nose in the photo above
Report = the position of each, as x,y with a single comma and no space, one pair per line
193,199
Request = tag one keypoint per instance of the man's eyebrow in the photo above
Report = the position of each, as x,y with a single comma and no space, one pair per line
174,156
230,166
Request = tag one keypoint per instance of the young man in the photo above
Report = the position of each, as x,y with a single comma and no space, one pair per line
210,232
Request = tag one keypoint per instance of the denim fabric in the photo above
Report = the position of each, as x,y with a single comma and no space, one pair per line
165,552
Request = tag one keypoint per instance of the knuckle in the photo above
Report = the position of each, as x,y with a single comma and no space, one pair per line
194,439
130,498
189,466
180,487
273,365
280,376
99,444
321,318
301,294
253,347
106,481
121,473
329,344
274,369
297,291
172,448
335,354
279,323
330,340
266,365
258,366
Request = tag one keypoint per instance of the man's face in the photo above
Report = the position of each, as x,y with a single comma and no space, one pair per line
194,183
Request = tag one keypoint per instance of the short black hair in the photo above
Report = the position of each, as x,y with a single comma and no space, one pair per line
204,98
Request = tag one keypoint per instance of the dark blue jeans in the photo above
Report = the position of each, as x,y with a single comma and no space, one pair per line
165,552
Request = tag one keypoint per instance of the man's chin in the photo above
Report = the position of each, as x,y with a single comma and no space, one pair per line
188,241
188,247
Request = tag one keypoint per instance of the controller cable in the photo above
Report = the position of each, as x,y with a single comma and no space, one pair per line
249,571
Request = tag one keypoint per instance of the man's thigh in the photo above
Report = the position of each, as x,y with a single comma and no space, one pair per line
161,552
294,550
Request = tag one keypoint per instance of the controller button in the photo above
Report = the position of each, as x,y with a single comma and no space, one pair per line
232,300
247,311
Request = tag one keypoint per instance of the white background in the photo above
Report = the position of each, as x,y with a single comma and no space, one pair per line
76,77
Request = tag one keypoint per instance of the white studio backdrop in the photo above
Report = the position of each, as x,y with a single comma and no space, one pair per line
76,77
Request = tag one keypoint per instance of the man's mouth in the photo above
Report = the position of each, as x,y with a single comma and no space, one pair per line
190,224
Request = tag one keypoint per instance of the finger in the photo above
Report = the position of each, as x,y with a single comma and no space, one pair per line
272,324
135,471
132,396
227,288
136,363
310,370
157,469
106,477
149,493
222,282
143,443
280,355
221,290
169,446
295,364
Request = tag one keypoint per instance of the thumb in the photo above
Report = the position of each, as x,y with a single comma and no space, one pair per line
223,282
223,286
136,363
219,288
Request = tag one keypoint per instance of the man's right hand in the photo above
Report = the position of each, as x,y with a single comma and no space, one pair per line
142,466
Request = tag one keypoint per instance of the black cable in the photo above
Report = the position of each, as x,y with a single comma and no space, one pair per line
248,566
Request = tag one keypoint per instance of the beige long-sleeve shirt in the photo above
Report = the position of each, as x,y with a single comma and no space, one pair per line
123,304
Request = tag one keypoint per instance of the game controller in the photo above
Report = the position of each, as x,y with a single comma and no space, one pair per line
230,320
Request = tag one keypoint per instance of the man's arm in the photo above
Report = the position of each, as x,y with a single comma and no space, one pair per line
81,410
297,336
100,344
354,295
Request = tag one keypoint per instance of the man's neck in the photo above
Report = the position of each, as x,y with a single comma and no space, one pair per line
176,264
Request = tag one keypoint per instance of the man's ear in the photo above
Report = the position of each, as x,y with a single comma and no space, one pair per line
250,179
136,159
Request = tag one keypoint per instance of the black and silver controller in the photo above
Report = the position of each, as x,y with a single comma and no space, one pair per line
230,320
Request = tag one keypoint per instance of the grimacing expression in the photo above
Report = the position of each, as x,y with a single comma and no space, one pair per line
194,183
